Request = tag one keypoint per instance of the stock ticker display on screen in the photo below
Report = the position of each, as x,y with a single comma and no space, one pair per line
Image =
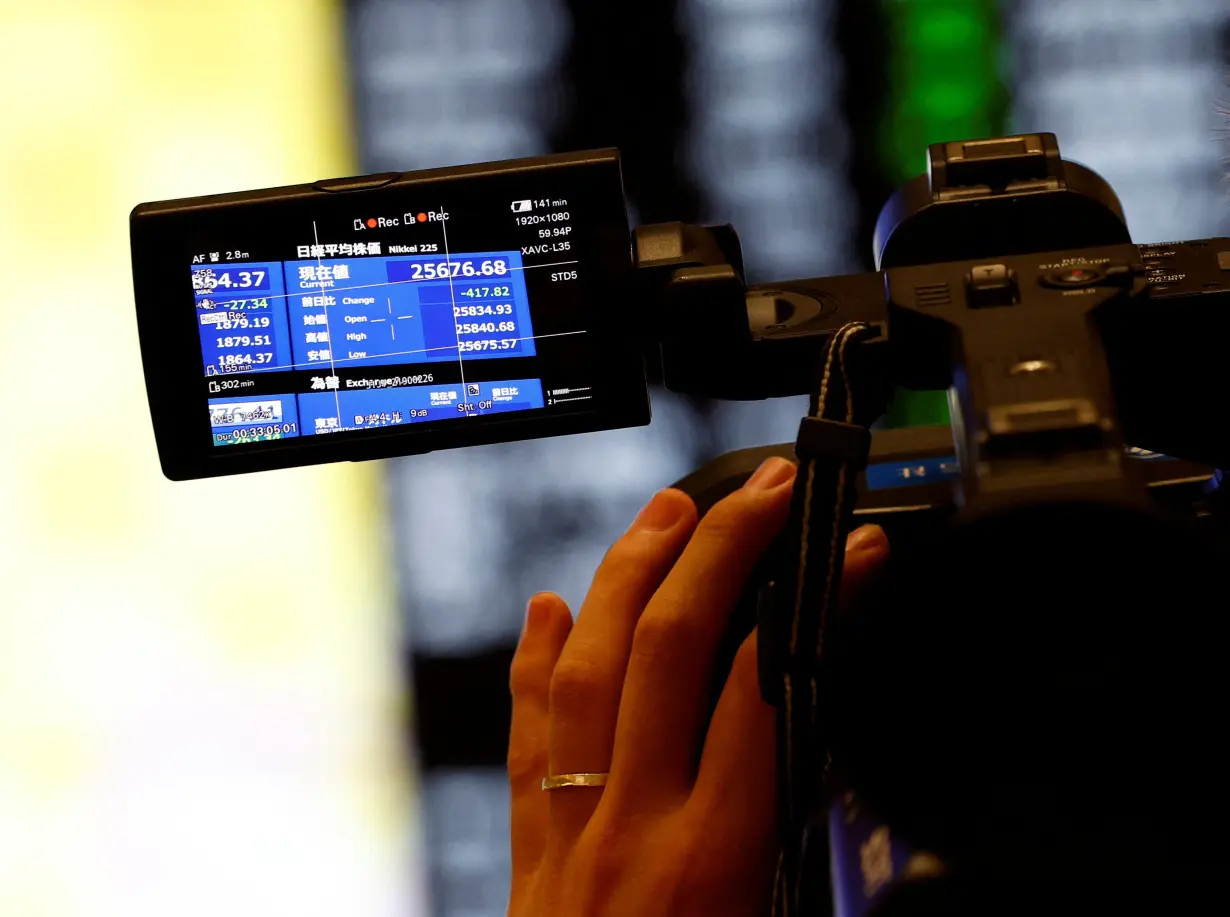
295,324
389,314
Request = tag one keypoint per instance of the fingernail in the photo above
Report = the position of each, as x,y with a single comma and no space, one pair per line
865,539
529,611
662,512
773,473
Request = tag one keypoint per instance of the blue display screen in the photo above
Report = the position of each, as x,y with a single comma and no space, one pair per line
343,411
886,475
241,313
381,311
319,322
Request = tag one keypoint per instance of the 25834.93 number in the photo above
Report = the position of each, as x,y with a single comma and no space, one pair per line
502,308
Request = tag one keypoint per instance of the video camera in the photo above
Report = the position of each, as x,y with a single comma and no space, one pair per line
396,314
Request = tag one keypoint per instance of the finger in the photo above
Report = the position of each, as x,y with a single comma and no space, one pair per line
589,677
735,797
737,781
547,624
669,674
866,554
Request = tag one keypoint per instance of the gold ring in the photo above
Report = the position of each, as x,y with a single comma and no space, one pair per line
559,780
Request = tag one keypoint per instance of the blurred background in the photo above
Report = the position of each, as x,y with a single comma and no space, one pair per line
279,693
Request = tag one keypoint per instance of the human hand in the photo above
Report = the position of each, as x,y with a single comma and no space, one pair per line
625,690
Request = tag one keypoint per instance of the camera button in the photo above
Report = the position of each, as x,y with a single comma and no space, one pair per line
991,285
1075,276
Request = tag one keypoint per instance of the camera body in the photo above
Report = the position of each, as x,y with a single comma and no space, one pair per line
1085,377
1053,591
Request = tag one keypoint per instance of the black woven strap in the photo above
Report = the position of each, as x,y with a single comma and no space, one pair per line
831,440
832,446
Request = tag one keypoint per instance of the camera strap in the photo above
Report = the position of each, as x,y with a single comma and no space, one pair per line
794,618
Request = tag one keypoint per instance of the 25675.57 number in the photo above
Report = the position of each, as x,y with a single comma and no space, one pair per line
493,344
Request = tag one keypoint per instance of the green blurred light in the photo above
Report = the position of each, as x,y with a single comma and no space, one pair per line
945,84
948,28
952,101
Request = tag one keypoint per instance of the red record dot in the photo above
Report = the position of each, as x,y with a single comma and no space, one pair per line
422,218
371,224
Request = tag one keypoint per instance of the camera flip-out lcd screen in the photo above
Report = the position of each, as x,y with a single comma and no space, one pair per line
386,315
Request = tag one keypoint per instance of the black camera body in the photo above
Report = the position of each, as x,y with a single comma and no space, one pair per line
976,294
1056,550
1037,662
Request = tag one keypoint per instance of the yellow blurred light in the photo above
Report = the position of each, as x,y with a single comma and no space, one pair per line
198,682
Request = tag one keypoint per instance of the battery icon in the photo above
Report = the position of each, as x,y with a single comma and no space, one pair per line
522,206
